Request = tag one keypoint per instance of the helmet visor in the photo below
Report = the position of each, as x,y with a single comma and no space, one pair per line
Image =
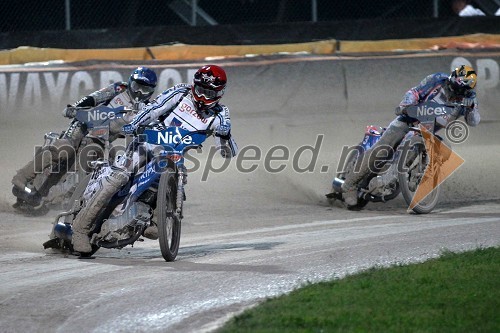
143,89
208,93
459,89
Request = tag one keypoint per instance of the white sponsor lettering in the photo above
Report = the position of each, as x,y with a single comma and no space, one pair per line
167,78
31,91
190,73
8,93
98,115
148,172
171,138
80,80
108,77
429,111
488,73
56,86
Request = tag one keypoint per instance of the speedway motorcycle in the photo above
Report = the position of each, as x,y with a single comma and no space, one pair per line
153,195
55,184
406,168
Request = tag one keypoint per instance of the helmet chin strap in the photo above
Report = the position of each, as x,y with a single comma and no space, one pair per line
200,106
129,93
451,94
448,90
137,99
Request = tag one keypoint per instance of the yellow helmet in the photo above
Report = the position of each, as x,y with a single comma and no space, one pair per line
463,78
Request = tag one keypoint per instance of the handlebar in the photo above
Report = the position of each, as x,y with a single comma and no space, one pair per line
141,128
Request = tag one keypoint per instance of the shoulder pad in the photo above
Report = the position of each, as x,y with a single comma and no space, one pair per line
434,79
183,87
120,87
441,76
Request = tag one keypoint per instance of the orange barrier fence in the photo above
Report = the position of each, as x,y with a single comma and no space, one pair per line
25,54
22,55
418,44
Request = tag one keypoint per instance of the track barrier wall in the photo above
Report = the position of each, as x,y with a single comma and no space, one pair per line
355,85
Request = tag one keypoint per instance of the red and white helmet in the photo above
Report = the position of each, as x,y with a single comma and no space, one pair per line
209,84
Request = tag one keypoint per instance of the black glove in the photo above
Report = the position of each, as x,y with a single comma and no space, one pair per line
138,106
399,110
460,110
469,102
129,129
69,111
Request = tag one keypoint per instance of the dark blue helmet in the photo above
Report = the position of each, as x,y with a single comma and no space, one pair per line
142,83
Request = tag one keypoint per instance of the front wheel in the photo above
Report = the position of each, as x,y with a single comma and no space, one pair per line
409,182
169,223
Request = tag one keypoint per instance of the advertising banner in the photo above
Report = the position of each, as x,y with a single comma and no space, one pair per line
283,85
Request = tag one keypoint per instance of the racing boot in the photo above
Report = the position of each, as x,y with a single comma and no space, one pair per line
350,193
27,196
365,164
59,152
20,180
109,185
151,231
24,189
24,175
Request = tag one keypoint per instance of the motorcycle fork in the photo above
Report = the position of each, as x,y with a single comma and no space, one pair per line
180,192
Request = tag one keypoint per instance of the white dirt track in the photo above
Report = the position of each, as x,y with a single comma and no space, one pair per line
246,235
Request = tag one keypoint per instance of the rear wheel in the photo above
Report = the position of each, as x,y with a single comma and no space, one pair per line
409,182
169,223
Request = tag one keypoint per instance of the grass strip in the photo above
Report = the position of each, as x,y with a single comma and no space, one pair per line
457,292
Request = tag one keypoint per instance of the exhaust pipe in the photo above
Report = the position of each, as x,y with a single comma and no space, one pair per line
122,242
337,184
63,231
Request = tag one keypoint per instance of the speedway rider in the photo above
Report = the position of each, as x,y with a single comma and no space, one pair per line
140,86
193,107
456,88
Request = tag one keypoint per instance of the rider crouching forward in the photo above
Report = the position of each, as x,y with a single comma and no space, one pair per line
193,107
139,88
456,88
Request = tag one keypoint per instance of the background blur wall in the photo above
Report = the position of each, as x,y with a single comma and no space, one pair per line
355,86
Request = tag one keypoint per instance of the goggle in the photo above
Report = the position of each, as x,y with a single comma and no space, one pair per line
459,89
137,87
208,93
